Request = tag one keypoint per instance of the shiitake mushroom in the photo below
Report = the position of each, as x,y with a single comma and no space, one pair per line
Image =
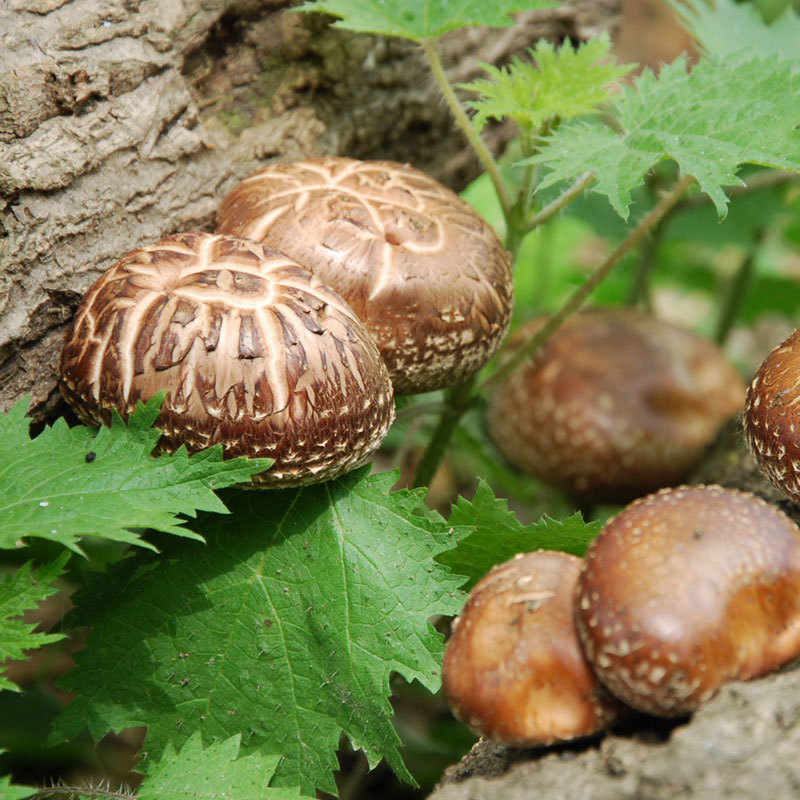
513,668
686,590
423,271
252,351
615,404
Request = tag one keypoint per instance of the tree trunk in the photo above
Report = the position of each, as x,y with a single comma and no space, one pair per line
123,120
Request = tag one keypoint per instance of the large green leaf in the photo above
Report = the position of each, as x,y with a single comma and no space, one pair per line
420,19
284,628
73,482
213,773
710,121
498,535
20,591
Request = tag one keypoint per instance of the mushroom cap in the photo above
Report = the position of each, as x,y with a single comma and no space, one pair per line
427,276
771,417
252,351
513,669
615,404
686,590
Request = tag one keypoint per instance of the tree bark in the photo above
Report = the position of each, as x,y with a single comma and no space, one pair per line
124,120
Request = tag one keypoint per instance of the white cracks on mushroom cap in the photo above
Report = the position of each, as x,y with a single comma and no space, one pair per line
236,335
388,245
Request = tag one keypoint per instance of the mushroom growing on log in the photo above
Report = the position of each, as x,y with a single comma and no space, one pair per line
253,353
686,590
771,417
513,668
615,404
423,271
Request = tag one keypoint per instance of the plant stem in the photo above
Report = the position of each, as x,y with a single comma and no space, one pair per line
577,298
737,290
69,792
459,400
566,197
418,409
639,292
463,121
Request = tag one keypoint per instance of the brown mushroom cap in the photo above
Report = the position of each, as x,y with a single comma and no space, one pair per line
252,351
426,275
513,668
686,590
615,404
772,419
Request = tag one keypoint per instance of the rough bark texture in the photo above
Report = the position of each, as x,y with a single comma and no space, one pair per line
123,120
742,744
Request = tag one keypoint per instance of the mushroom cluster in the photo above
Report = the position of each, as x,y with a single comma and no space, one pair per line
280,347
683,591
616,404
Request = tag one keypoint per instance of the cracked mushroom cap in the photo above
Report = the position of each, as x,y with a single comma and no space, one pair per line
513,668
423,271
686,590
771,416
616,404
253,352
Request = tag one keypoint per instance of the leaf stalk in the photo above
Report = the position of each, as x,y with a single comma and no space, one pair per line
465,124
580,295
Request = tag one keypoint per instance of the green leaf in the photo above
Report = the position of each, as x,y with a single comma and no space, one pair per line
738,31
19,592
9,792
561,83
420,19
212,773
284,628
52,488
710,121
499,535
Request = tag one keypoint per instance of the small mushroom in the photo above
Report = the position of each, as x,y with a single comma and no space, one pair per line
686,590
252,351
772,419
426,275
513,668
615,404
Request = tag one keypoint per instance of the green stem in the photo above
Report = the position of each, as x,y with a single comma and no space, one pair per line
521,210
464,122
577,298
418,409
528,179
639,292
737,290
566,197
459,400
